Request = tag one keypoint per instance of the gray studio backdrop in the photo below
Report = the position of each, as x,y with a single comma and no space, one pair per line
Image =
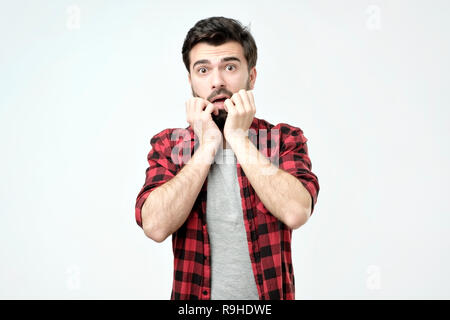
86,84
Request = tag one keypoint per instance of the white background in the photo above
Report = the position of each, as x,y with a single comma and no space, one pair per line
85,85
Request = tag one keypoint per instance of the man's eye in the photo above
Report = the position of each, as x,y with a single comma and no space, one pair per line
231,65
200,70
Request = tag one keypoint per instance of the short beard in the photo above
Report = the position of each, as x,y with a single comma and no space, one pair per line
220,119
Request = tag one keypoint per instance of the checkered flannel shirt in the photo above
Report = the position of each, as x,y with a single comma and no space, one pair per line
269,240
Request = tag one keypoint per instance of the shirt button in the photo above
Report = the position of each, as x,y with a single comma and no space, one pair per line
205,293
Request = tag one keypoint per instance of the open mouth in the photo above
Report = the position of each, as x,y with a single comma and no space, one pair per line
219,102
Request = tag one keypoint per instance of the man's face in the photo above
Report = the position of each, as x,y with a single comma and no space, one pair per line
219,71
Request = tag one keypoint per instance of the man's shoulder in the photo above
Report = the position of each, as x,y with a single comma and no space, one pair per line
173,134
282,127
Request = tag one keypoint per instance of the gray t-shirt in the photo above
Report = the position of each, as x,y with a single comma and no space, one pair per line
231,270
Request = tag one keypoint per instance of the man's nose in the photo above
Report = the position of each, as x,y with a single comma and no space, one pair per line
217,80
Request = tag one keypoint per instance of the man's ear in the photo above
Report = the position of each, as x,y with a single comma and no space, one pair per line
252,78
189,78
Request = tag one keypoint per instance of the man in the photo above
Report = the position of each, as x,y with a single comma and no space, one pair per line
231,223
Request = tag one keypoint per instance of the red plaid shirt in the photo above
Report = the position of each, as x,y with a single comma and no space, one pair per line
269,240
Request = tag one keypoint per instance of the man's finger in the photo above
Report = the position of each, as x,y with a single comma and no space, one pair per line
236,98
199,104
228,105
209,108
252,99
245,100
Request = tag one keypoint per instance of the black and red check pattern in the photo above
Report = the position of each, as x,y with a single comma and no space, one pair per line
269,239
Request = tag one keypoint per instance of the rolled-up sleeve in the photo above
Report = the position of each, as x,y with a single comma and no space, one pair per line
295,160
160,170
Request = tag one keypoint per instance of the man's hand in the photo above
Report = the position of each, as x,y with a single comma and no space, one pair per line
198,114
241,110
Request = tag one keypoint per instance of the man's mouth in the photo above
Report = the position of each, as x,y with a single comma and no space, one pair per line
219,102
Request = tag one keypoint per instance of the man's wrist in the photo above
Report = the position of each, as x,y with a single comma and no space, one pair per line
236,139
205,154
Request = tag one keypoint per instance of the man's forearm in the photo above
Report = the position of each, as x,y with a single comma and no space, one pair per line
168,206
281,193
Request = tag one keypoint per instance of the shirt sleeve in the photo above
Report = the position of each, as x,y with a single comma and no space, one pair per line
294,159
160,170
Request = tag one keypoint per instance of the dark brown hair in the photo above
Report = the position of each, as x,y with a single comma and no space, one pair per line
217,31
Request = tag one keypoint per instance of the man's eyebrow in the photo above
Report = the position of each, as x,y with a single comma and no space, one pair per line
206,61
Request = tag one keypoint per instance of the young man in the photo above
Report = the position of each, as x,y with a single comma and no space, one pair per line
231,222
